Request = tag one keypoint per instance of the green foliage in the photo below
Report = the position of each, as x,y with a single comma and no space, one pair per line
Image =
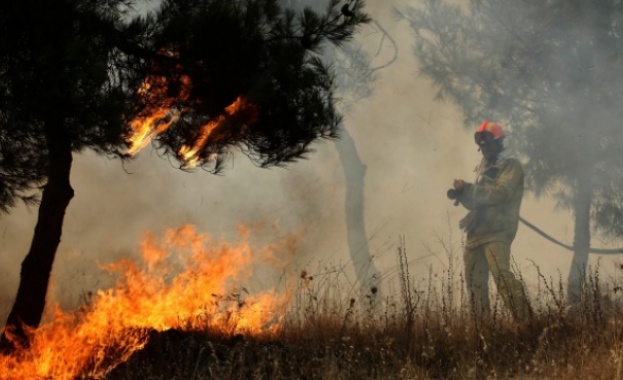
549,70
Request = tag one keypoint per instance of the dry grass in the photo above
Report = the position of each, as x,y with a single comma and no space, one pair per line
422,332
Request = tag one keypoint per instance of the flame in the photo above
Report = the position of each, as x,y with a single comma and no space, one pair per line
158,117
190,153
152,296
166,110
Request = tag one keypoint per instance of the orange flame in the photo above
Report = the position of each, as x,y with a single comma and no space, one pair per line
148,297
190,153
157,119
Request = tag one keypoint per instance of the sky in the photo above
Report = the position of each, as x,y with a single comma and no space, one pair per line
412,145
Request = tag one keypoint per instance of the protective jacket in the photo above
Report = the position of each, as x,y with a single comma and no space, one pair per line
493,202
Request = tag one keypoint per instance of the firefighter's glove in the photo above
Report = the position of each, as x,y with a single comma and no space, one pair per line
454,194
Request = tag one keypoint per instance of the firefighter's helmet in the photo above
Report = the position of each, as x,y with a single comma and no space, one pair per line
488,131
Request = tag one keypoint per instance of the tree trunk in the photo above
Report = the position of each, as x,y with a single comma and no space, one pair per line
36,267
581,244
368,275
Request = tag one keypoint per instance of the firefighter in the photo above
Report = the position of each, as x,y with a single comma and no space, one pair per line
493,201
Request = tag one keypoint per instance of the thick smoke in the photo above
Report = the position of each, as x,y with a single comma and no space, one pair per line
412,145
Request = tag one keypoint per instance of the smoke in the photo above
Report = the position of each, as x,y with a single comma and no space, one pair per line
412,145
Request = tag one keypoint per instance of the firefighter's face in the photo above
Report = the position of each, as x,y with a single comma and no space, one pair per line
489,150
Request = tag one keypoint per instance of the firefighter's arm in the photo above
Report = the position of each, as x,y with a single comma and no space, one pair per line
500,190
466,196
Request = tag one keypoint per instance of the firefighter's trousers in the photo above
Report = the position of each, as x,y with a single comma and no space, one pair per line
494,258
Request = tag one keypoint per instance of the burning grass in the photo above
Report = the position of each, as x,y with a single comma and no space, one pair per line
420,331
186,281
338,342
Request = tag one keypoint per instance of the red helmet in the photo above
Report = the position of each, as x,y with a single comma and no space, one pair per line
488,131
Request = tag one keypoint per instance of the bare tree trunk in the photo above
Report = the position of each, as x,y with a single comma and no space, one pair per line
581,244
37,266
368,275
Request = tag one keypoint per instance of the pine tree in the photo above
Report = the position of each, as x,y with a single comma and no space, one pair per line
197,78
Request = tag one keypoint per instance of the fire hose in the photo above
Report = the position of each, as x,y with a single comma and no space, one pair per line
453,194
